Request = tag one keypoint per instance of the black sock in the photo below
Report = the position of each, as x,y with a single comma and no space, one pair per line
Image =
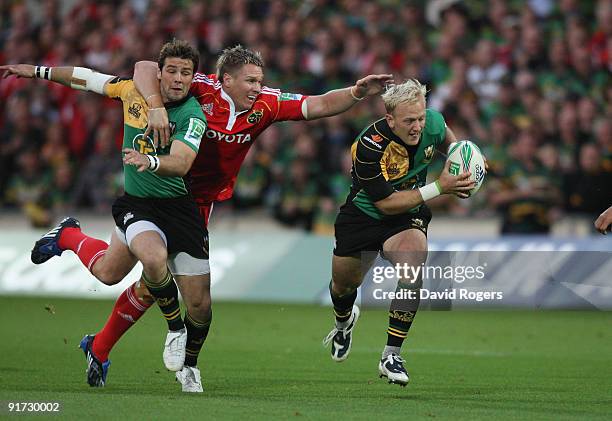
399,325
401,315
166,296
196,335
343,306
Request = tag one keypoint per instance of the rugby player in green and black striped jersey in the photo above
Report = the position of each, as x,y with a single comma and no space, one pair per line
385,212
157,220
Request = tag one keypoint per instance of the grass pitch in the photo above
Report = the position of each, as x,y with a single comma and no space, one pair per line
266,361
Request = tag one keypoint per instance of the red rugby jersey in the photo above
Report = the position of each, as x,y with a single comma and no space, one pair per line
229,134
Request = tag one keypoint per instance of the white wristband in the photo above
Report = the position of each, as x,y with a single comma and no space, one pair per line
42,72
153,163
429,191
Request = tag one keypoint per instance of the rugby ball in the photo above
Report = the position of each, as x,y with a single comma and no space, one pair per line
465,156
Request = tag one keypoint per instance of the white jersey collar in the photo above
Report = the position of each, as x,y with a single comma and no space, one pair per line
232,107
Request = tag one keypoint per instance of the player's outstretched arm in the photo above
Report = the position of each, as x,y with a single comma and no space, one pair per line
80,78
604,221
145,79
339,100
402,201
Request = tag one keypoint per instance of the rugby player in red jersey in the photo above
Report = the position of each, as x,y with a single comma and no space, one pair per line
238,107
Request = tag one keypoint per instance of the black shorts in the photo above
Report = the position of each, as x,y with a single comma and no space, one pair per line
178,218
356,232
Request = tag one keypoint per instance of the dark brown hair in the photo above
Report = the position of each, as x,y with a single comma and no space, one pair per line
179,49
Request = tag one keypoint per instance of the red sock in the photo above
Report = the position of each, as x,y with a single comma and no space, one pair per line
128,309
88,249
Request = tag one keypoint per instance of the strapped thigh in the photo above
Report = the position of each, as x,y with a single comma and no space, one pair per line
136,228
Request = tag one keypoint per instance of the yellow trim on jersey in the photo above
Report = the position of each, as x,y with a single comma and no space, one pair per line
395,158
378,131
383,166
135,107
354,151
354,155
367,147
363,178
365,162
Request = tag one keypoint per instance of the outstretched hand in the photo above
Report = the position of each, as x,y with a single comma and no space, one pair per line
19,70
371,85
135,158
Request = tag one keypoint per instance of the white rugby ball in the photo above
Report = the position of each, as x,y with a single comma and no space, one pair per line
465,156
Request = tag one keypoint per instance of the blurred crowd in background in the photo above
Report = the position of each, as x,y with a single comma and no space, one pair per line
528,81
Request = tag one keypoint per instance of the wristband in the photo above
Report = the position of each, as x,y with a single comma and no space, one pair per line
153,163
353,95
42,72
431,190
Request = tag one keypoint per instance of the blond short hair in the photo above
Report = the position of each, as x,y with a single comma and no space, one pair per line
410,91
232,59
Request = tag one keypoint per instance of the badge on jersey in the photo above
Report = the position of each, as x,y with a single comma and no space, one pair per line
195,131
135,110
144,146
255,116
207,108
429,153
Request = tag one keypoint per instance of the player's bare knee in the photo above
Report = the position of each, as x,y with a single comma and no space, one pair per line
154,265
106,274
345,285
155,259
199,308
347,277
108,278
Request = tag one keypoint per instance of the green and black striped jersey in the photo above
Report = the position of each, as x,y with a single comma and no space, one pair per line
382,163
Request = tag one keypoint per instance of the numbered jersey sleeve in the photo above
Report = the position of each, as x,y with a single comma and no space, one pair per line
369,168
